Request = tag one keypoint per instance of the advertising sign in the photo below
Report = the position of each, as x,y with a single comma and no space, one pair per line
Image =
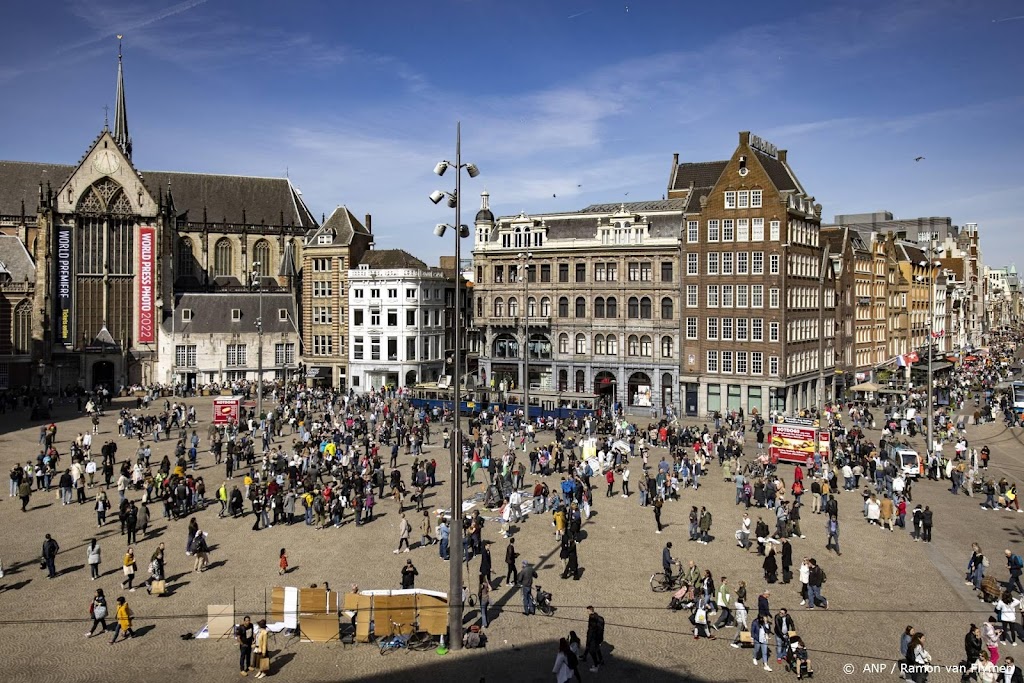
147,257
225,410
643,396
65,301
792,443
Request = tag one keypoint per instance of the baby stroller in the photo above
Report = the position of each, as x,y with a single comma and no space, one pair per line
682,598
796,658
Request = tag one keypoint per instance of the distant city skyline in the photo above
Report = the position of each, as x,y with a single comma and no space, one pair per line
561,106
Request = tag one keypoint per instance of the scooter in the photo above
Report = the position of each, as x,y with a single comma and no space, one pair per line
542,600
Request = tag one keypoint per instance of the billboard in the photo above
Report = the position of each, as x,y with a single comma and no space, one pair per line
793,443
225,410
65,289
147,257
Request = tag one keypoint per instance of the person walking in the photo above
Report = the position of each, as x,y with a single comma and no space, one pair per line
484,598
1006,607
784,625
245,635
927,519
832,529
562,670
759,631
123,623
511,576
1016,567
658,503
426,530
282,563
705,526
609,477
816,578
201,551
50,550
595,636
485,563
98,612
93,556
404,529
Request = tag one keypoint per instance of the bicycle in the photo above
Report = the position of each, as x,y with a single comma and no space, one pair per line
415,640
662,582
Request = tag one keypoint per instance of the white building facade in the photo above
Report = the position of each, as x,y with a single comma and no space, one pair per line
396,306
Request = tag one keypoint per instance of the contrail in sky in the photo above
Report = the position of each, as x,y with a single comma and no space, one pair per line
164,14
999,21
580,14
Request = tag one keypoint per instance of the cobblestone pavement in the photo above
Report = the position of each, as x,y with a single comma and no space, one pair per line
882,582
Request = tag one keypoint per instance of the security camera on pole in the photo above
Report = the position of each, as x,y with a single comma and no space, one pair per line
455,606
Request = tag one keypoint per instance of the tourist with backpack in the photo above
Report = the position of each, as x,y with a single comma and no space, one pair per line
595,636
1016,566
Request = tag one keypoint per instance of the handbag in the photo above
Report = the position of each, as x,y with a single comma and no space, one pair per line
158,587
264,662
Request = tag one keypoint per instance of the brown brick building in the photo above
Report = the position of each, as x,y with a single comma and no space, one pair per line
757,288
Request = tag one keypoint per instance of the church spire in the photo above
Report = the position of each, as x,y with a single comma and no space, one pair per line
121,112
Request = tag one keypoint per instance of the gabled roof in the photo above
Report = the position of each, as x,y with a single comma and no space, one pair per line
342,225
222,196
703,174
637,207
211,313
16,259
779,172
391,258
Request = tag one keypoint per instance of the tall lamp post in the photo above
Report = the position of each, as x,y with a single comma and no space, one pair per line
258,279
455,606
524,259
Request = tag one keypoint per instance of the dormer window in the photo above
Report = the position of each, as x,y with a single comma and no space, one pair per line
236,315
186,315
324,239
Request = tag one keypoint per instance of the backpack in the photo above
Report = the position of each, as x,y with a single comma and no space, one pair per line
1016,562
572,660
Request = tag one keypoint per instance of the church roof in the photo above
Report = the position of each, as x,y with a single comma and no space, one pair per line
223,196
16,259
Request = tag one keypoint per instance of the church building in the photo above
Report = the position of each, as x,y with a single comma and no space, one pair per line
101,253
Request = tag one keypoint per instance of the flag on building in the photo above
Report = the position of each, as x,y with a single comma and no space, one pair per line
907,359
939,334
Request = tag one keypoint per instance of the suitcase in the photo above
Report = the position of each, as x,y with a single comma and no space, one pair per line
158,587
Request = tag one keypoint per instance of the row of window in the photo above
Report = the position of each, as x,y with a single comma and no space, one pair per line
431,346
392,293
185,355
733,230
605,271
359,317
732,263
742,199
741,363
638,308
641,346
728,329
223,258
732,296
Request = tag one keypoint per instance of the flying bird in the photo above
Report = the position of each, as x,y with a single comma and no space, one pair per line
579,186
554,195
918,158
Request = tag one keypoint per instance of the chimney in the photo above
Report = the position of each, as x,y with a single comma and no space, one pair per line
369,224
744,138
782,155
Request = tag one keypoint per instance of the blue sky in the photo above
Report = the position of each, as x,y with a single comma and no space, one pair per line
562,104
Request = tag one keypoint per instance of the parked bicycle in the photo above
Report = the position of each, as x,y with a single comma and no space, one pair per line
401,640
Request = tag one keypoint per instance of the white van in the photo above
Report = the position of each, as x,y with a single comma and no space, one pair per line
907,461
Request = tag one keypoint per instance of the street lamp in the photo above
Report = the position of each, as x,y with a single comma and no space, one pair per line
455,606
259,349
524,259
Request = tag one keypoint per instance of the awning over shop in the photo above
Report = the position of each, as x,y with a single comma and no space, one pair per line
866,386
319,372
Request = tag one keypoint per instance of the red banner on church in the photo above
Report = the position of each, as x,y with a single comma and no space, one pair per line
147,278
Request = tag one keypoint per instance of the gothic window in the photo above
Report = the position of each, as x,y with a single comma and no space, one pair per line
185,261
223,258
261,255
22,329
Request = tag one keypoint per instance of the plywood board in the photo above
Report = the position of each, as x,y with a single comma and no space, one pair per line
351,602
403,613
220,621
364,613
276,605
319,628
433,614
312,601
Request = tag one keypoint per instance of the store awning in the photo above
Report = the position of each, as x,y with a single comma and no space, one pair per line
319,372
866,386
